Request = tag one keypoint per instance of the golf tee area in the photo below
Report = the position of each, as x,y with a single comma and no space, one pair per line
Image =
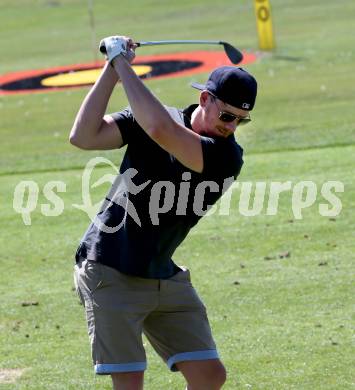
79,75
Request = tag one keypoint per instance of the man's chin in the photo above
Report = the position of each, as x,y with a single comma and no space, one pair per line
221,131
216,132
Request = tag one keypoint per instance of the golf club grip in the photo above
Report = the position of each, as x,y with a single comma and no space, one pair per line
103,49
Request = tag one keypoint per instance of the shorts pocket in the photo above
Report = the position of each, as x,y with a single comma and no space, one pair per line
88,277
93,274
76,286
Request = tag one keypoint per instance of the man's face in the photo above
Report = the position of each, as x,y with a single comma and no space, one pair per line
221,119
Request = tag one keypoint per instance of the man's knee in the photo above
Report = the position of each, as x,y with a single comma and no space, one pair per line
128,380
218,375
209,374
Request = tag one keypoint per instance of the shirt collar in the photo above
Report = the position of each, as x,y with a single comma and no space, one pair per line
187,114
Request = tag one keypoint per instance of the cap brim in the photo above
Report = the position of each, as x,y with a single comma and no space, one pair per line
201,87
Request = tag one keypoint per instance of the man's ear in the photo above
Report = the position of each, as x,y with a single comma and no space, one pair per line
204,97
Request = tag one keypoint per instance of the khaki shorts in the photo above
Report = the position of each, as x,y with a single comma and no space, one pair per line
119,308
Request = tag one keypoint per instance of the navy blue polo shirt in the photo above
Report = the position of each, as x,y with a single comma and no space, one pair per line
152,206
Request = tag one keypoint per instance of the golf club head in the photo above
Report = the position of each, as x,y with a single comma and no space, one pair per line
233,53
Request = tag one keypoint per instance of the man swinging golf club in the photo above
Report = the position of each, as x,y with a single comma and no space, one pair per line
126,277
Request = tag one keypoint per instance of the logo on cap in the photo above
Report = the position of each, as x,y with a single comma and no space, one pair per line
246,106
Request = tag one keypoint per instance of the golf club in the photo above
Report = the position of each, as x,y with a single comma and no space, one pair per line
232,53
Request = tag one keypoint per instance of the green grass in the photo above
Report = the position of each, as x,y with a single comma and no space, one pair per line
282,323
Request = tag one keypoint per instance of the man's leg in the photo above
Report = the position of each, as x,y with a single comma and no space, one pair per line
204,374
180,333
116,306
128,380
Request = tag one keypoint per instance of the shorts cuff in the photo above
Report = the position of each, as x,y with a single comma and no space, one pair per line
196,355
105,369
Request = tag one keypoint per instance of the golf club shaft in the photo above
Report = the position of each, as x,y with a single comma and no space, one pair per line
172,42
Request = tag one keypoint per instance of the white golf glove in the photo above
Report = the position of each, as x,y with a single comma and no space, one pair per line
113,47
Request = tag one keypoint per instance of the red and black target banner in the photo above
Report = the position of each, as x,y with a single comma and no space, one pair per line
79,75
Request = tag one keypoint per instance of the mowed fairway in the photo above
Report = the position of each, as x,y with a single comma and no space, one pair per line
279,290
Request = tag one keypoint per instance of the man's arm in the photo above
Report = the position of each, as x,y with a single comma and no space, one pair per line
154,119
93,129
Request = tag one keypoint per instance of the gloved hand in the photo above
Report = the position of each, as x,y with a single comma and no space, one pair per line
116,45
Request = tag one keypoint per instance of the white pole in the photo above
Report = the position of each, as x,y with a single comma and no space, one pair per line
93,29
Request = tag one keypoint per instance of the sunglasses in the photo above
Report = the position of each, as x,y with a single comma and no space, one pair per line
228,116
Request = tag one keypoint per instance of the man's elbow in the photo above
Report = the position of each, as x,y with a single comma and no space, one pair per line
77,141
73,139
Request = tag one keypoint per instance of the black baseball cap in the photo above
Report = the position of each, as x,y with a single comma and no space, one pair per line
232,85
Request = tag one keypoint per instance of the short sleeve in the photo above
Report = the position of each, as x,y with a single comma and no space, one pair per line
126,123
222,157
